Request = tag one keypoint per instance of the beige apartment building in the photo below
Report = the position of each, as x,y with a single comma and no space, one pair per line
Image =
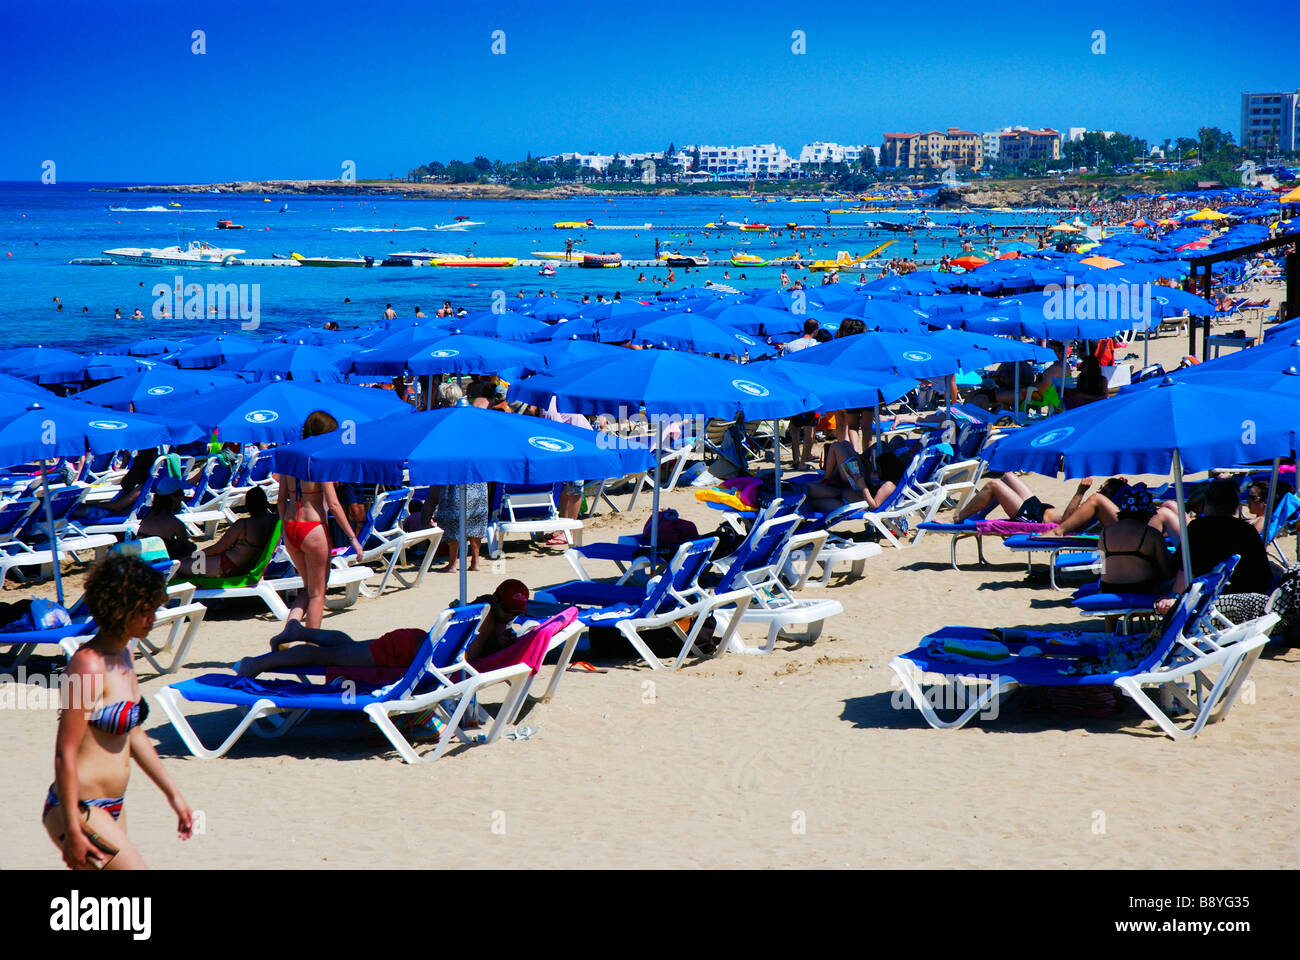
933,150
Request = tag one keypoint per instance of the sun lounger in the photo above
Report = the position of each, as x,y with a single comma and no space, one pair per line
528,510
668,600
436,677
1193,664
756,566
383,539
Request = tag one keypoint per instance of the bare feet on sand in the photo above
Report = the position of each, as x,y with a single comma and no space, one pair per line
288,635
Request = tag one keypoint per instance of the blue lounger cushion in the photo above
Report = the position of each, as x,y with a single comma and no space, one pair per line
246,691
966,526
1026,541
589,593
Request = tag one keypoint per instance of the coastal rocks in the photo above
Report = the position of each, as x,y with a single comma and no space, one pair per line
1017,193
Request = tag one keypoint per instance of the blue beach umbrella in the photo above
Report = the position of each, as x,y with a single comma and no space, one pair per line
842,389
503,326
26,358
274,411
455,446
154,347
12,387
667,383
458,353
100,366
45,430
984,349
154,390
577,329
315,336
699,334
214,351
753,318
918,356
292,362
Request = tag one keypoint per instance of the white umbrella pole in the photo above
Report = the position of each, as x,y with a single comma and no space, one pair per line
54,540
1182,517
464,575
776,432
654,520
1268,511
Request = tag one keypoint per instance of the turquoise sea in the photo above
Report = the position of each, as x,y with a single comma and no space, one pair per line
43,227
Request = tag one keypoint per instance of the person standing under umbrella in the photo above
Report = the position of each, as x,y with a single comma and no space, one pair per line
303,507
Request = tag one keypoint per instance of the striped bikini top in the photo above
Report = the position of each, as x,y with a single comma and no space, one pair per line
121,717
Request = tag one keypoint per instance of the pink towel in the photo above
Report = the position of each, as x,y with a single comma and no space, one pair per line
1008,528
531,647
745,489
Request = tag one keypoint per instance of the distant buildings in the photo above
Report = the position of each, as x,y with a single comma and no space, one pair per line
1270,121
763,160
1023,146
933,150
820,152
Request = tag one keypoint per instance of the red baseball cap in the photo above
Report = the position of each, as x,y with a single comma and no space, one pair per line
513,595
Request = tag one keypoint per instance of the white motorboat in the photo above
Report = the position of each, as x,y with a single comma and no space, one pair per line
459,224
196,254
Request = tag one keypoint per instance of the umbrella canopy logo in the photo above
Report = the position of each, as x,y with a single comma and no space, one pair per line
261,416
445,354
750,387
917,356
108,424
745,340
550,444
159,391
1053,437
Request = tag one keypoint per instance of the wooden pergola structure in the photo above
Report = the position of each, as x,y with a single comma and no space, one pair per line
1202,267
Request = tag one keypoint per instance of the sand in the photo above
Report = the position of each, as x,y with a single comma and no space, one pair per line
797,759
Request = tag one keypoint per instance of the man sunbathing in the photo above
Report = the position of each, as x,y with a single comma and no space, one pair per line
314,647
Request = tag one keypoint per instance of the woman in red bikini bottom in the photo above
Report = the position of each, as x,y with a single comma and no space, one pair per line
303,507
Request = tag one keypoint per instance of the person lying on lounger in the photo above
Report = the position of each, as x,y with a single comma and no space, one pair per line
1019,503
314,647
241,545
1133,554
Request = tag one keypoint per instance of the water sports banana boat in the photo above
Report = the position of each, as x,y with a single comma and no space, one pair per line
747,260
459,261
598,260
574,224
843,260
754,227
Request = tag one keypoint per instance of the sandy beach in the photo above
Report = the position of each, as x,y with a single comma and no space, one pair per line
798,759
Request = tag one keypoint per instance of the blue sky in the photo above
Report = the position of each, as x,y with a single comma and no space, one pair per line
111,91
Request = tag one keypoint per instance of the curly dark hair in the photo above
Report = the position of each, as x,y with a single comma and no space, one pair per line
120,587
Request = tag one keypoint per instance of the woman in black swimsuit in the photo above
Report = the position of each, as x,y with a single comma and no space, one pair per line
1133,554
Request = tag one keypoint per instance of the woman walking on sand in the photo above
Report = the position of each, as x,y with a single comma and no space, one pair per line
101,726
303,507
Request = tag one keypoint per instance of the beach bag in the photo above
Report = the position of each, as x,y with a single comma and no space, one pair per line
673,531
34,614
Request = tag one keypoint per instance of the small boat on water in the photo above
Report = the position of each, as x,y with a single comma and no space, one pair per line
754,227
333,261
598,260
197,254
227,225
175,205
459,261
684,259
92,262
459,224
